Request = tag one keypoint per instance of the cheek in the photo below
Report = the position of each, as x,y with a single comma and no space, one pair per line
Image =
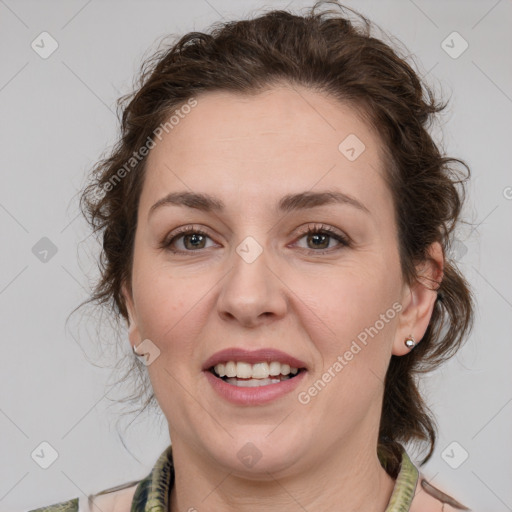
159,308
171,309
167,310
158,303
350,300
353,336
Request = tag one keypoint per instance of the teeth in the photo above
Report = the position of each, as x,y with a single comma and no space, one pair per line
230,369
258,371
275,368
243,370
263,370
255,383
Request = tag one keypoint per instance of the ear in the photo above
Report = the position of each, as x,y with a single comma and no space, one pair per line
418,300
133,329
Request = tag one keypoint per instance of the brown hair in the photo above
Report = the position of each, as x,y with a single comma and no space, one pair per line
327,51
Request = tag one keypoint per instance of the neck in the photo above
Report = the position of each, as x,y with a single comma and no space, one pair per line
347,478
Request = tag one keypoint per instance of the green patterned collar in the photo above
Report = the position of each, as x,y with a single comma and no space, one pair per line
152,493
405,486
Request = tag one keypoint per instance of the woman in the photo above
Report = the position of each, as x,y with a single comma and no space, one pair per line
275,219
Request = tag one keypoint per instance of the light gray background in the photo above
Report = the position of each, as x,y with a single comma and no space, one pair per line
57,118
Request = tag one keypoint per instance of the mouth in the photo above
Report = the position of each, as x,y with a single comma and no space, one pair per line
250,375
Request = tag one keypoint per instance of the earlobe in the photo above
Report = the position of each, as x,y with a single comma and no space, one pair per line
421,295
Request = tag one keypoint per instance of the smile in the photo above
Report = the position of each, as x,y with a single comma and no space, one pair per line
243,374
253,377
246,375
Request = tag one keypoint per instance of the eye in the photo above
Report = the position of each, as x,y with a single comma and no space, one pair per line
191,238
320,236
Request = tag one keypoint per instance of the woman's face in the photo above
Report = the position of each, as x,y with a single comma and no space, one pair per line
255,280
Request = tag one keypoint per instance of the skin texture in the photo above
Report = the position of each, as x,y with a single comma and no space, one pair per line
249,151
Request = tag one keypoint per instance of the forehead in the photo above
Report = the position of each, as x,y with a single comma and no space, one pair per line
256,148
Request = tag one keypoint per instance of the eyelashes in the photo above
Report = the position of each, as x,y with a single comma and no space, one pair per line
326,231
315,232
181,233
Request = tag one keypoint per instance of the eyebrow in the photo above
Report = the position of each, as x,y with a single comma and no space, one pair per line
288,203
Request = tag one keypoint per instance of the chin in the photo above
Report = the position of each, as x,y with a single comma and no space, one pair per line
255,453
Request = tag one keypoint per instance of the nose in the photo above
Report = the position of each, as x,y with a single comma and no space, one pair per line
252,293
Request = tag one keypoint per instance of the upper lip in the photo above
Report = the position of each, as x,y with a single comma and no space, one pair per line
252,356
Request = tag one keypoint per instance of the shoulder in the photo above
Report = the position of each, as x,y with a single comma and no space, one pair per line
64,506
428,498
115,499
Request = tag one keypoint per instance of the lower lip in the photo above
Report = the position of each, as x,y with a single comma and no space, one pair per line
253,396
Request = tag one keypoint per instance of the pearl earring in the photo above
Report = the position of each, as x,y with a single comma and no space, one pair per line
409,342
